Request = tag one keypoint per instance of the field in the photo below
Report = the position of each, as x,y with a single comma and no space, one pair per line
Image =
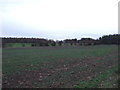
61,67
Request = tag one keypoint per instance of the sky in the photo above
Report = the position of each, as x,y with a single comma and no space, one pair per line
58,19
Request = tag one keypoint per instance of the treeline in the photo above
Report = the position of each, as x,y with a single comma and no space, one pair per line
33,41
106,39
110,39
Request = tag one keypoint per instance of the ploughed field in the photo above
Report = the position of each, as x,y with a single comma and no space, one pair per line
60,67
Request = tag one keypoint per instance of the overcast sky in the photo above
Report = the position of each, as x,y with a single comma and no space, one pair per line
58,19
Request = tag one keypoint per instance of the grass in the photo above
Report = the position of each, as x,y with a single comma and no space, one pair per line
98,79
16,60
25,64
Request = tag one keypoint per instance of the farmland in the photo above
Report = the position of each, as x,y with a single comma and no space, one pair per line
64,67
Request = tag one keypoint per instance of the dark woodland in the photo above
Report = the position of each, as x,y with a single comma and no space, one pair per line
106,39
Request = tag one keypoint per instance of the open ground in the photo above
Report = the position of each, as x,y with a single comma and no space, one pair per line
64,67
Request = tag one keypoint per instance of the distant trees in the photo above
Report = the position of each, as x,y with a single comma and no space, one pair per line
87,41
68,41
59,43
36,42
71,41
110,39
52,42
